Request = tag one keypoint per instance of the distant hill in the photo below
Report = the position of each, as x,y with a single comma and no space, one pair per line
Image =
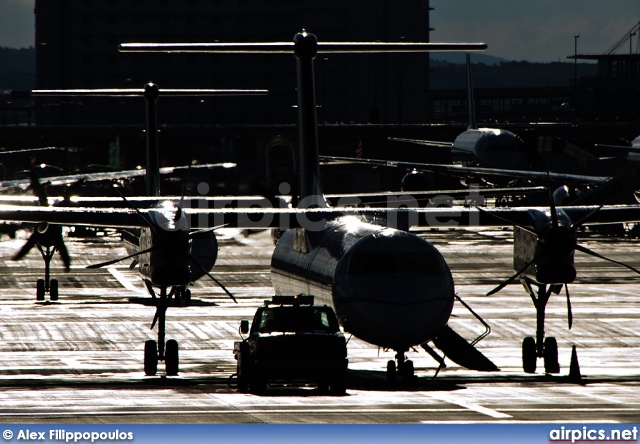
460,57
17,69
506,74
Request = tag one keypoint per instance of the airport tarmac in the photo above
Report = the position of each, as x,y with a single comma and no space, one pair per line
79,360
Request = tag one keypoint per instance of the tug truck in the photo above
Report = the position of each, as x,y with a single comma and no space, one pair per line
292,340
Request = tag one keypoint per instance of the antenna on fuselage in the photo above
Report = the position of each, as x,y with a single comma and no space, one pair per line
470,101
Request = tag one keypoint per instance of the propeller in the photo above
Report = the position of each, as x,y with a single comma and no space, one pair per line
45,235
558,240
204,270
104,264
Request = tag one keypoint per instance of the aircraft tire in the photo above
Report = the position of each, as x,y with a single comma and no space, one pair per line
53,289
150,357
40,290
408,373
551,364
391,372
187,297
529,355
172,358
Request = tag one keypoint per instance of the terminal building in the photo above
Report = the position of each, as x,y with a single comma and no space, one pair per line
77,47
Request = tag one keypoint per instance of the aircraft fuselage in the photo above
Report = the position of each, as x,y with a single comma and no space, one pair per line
388,287
495,148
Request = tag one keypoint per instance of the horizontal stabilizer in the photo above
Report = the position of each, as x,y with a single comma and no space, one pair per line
456,348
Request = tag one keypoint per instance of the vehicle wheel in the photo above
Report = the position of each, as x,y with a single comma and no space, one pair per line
408,373
243,373
53,289
258,383
529,355
150,357
40,290
171,358
551,364
338,386
391,372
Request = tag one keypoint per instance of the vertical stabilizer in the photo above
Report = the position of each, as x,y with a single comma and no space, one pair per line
306,49
470,101
151,94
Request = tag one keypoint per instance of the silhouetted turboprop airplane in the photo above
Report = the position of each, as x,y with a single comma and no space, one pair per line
483,150
543,257
48,239
388,286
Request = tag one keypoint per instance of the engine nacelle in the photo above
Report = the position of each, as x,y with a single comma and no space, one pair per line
204,251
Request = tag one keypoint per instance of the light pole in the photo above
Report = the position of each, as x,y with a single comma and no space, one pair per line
631,42
575,58
575,73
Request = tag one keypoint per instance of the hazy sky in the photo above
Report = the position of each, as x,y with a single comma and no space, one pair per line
540,30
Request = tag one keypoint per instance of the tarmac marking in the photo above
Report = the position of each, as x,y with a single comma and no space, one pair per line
126,283
470,406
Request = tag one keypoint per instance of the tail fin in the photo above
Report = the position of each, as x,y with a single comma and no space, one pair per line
310,191
470,101
151,94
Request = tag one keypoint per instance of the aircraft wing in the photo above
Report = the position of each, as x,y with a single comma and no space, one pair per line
313,218
23,184
617,149
433,143
473,195
462,170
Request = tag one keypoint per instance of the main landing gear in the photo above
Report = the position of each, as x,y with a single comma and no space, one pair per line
540,347
401,367
47,285
155,351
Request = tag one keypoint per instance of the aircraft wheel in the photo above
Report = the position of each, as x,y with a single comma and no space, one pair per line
40,290
551,364
391,372
172,358
53,289
529,355
187,296
408,373
150,357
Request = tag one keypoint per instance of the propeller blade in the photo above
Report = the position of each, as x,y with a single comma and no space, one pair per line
38,189
26,247
137,210
204,270
598,255
184,188
155,317
515,276
569,311
507,221
104,264
194,234
583,219
64,253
